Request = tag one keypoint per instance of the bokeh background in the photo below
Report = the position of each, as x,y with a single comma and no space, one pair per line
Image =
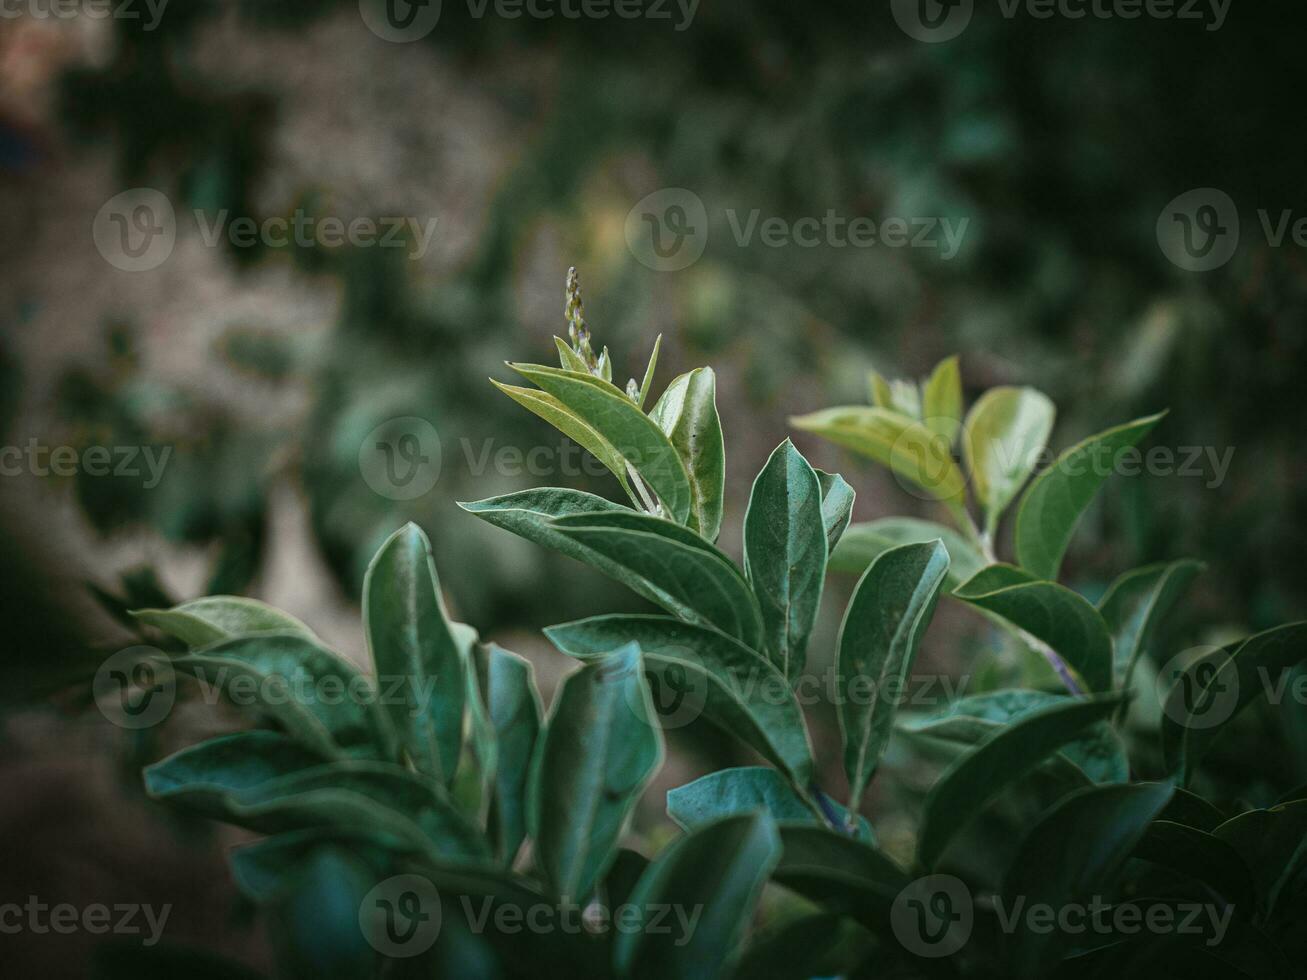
525,144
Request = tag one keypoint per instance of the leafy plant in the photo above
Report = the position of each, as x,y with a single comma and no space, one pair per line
455,780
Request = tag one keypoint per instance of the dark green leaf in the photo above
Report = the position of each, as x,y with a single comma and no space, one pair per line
514,709
1201,856
819,945
1273,845
836,506
785,554
839,873
1134,605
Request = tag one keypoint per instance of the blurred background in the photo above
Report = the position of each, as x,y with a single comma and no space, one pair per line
703,166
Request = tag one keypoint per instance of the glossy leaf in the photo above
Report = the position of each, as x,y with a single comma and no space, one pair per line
687,413
415,652
941,400
1049,612
598,751
221,617
1134,605
836,506
882,630
705,671
630,432
1072,855
1054,502
785,554
1004,435
905,445
715,873
1206,697
862,543
693,582
976,778
730,792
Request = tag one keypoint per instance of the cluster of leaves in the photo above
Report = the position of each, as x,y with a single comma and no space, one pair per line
452,785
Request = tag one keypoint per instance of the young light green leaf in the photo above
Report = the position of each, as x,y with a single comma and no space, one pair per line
1004,435
700,670
1213,691
1134,605
628,430
649,370
221,617
883,626
716,873
879,390
598,751
568,359
696,583
982,774
514,709
408,633
566,421
1055,500
905,445
687,413
941,400
730,792
785,554
1049,612
1072,855
863,543
836,506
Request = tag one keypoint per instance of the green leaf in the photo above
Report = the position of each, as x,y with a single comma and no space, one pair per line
942,400
715,874
687,413
1273,845
263,870
882,629
514,709
478,767
599,750
730,792
647,383
566,421
1211,693
321,699
568,359
978,777
903,444
1071,855
1134,605
409,635
707,672
1099,752
840,873
692,581
1049,612
1055,500
785,554
822,944
201,622
1004,435
836,506
316,918
633,434
879,390
1200,855
862,543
